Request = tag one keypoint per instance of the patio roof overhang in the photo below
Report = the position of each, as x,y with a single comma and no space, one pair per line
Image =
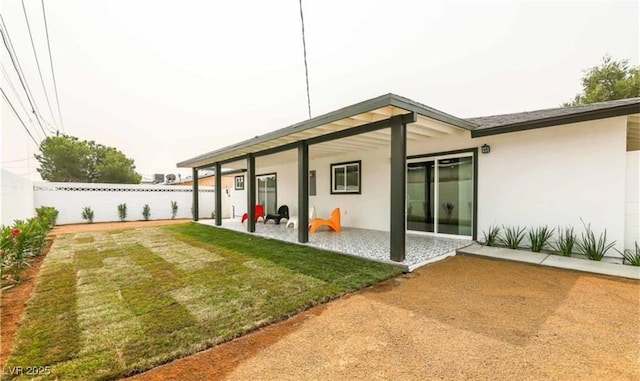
359,126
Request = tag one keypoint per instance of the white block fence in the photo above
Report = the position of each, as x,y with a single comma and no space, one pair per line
16,202
71,198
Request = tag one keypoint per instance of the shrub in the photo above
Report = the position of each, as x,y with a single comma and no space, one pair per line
87,214
491,237
593,248
146,212
512,236
539,237
174,209
630,256
48,215
122,211
566,241
21,241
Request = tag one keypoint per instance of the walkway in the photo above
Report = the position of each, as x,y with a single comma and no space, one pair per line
551,260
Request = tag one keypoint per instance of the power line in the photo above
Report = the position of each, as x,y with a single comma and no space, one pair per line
6,39
35,54
20,119
6,75
306,69
53,74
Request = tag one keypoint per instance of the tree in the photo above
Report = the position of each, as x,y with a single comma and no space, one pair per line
67,159
609,81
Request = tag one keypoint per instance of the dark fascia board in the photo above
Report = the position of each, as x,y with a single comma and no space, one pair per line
558,120
345,112
430,112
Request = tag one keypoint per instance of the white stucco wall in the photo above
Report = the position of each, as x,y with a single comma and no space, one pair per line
632,216
70,198
16,197
368,210
556,176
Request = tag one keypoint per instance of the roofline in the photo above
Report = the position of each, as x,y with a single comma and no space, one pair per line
345,112
583,116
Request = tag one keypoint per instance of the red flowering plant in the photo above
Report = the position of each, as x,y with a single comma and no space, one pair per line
8,246
18,243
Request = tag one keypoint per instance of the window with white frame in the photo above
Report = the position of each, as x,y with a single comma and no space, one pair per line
345,177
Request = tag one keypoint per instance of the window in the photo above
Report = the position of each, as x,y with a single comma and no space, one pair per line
345,178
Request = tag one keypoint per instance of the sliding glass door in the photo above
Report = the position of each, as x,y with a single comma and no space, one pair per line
420,196
440,195
266,192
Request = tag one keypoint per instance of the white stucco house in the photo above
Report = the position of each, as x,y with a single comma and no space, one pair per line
395,165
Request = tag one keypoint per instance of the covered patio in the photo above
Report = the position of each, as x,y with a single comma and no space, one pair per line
371,244
384,127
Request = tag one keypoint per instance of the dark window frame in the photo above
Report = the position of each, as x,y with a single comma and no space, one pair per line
345,164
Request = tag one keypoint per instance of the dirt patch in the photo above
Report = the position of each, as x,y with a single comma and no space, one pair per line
12,301
461,318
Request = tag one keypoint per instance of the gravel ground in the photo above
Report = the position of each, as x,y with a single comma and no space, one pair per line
458,319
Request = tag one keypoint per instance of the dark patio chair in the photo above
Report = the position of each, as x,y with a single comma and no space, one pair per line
283,213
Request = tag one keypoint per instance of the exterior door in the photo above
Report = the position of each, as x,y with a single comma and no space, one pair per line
440,195
420,196
266,192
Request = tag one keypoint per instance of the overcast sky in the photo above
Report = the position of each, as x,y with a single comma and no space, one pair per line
164,81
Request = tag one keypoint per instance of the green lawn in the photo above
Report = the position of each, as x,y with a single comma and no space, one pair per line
112,303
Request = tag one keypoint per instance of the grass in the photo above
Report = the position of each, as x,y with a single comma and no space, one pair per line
127,300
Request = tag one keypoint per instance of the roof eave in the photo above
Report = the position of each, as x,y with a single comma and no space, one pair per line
368,105
558,120
345,112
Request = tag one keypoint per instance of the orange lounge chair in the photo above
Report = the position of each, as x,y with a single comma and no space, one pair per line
258,212
333,223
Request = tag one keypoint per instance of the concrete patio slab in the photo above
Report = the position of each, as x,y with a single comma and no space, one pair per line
365,243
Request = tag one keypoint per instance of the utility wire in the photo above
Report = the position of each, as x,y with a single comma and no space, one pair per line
35,54
6,75
20,119
6,39
53,74
306,69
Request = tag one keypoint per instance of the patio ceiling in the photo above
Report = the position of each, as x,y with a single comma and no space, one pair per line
429,124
